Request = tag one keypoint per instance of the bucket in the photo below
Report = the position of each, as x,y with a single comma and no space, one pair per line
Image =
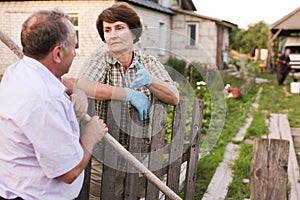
295,87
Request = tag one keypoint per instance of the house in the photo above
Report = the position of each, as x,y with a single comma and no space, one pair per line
172,28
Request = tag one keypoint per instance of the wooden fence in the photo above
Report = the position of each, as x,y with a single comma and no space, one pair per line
162,158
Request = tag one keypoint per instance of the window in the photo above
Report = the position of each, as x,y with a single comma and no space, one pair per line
192,35
162,39
74,20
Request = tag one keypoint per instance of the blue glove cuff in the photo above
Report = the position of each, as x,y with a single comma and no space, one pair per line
150,77
129,93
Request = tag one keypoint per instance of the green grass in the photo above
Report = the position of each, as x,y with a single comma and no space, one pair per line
277,99
273,99
258,126
241,170
236,113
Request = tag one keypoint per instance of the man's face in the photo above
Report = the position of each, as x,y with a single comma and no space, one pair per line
69,52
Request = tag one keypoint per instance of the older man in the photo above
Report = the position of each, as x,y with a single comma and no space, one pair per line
41,153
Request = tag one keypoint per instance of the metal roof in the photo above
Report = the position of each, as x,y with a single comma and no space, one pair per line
288,24
151,5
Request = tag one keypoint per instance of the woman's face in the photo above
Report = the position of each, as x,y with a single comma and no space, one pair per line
118,37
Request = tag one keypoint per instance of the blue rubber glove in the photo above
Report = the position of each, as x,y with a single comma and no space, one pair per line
143,77
140,101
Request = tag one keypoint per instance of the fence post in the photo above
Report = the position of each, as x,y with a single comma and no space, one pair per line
193,151
176,149
268,174
157,144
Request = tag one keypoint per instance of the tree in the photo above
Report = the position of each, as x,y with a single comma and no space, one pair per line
245,41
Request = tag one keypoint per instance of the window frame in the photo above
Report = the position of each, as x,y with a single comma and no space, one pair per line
76,26
192,42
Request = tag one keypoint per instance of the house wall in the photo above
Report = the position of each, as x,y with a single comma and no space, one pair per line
206,39
155,40
15,13
163,34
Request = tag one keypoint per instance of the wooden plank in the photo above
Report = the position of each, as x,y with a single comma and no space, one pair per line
110,155
293,167
268,175
135,144
259,169
247,86
178,132
273,127
157,144
239,137
278,163
193,151
217,188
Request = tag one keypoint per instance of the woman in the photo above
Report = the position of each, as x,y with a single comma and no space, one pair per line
123,74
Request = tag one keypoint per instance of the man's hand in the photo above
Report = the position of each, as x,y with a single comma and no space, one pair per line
93,132
140,101
80,102
143,77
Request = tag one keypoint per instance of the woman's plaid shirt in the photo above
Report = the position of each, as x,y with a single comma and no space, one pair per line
103,68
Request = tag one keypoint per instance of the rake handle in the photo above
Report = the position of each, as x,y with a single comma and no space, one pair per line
138,165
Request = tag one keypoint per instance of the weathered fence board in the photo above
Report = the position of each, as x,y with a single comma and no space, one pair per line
135,144
162,158
110,155
193,151
176,150
268,175
157,144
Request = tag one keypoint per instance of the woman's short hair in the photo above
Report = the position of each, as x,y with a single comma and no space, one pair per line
123,12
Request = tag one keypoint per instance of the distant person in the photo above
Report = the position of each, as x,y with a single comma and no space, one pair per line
283,66
42,156
123,74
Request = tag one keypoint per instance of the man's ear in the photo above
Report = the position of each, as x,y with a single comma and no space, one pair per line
57,54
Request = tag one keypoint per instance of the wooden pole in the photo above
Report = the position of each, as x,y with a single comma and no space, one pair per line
11,44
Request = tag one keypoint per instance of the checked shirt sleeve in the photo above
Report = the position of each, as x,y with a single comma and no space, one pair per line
94,68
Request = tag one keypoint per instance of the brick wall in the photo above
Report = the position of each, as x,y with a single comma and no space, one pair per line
15,13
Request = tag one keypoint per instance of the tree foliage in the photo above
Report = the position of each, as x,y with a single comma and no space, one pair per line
245,41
